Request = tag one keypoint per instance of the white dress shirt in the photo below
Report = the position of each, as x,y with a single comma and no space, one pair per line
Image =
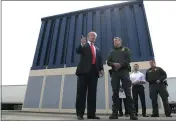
137,76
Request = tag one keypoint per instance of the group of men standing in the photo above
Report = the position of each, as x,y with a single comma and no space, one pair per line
90,68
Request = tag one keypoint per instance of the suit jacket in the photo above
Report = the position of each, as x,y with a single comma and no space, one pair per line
85,63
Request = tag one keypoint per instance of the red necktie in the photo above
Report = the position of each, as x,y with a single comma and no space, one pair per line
93,54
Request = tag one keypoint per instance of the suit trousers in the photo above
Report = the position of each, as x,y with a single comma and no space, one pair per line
139,90
87,88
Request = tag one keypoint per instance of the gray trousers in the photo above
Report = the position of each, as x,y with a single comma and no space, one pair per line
122,76
160,89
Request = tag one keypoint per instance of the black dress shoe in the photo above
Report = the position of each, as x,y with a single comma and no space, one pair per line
168,116
80,118
93,117
133,117
155,115
145,115
113,116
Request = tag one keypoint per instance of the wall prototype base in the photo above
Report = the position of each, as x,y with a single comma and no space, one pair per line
54,90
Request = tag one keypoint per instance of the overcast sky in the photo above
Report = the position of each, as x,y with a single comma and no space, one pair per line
21,22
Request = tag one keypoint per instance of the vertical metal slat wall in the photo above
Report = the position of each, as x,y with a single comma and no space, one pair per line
60,35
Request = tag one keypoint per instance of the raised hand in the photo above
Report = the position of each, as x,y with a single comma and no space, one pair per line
83,40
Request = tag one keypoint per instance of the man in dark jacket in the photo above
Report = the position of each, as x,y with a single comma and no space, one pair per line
88,71
156,77
119,59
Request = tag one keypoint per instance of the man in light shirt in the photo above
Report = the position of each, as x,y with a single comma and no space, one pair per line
138,81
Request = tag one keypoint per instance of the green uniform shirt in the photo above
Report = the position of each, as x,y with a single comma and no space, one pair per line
120,55
154,74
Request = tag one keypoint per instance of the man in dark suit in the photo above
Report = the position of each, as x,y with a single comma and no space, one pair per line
89,69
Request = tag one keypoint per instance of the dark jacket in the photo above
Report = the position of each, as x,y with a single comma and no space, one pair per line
120,55
85,63
154,74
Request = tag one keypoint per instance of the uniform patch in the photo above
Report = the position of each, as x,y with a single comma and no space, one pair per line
123,49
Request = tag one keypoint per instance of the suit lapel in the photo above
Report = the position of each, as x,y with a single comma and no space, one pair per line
96,51
89,48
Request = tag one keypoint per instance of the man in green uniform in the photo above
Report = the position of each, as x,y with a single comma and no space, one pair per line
119,59
156,77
